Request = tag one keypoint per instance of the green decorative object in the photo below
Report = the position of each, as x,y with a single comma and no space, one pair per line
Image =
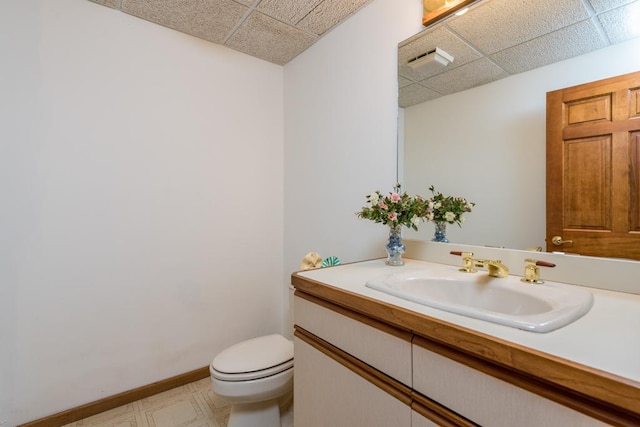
330,261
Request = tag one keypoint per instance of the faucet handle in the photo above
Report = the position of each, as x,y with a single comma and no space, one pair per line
532,272
462,254
467,261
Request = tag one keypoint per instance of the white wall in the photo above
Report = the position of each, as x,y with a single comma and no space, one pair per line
488,144
141,211
340,133
141,176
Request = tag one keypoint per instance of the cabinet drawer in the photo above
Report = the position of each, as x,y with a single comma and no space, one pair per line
376,344
487,400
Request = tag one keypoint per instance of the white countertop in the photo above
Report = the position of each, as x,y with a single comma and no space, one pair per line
606,338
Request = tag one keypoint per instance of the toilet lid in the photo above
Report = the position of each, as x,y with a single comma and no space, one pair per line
271,352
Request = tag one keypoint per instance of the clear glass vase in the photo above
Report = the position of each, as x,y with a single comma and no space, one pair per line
441,232
395,248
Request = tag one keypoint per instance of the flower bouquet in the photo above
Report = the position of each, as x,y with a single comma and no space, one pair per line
443,210
395,210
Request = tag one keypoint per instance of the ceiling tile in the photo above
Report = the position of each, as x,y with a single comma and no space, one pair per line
108,3
208,19
269,39
291,11
402,82
495,25
474,74
604,5
623,23
568,42
328,14
415,94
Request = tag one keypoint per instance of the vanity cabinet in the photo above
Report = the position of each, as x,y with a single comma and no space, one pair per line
363,362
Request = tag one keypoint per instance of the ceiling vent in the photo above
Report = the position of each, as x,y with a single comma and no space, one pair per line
430,61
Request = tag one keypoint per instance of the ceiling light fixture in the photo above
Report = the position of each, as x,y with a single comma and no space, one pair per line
432,60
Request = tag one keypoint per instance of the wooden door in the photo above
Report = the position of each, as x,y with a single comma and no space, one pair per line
593,160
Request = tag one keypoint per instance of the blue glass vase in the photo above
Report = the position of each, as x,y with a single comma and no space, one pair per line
441,232
395,248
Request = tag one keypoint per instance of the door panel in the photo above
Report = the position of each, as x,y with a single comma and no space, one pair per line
634,194
587,172
589,110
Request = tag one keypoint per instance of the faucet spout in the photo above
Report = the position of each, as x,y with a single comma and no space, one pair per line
494,268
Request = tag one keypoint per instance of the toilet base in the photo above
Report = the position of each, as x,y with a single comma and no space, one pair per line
263,414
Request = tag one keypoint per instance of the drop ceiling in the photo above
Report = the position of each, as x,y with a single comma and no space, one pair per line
498,38
495,39
273,30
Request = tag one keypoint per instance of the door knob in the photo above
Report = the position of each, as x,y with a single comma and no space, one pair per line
557,240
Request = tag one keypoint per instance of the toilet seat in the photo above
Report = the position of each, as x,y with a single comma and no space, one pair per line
253,359
254,375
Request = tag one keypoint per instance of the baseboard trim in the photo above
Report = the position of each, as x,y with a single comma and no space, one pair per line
111,402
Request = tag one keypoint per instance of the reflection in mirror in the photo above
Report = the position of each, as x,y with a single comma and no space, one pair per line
477,128
435,10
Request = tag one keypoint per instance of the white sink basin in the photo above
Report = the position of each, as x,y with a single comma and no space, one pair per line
506,301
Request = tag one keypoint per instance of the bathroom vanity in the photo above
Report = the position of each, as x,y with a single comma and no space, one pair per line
367,358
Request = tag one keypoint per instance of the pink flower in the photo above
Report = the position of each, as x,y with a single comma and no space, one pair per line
383,205
393,216
395,197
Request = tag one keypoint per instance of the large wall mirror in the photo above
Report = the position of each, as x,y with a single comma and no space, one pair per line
476,127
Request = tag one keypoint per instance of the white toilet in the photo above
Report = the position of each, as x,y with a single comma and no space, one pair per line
254,376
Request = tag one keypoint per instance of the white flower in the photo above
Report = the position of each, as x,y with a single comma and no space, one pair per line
429,216
461,219
449,216
415,220
437,205
374,198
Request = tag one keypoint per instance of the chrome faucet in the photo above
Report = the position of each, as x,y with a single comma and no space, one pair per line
494,268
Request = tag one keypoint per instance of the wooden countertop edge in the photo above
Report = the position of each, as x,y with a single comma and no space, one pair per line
596,385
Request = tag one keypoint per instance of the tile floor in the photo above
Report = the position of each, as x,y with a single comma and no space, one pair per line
192,405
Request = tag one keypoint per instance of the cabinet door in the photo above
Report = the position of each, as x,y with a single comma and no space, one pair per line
375,343
486,400
326,393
